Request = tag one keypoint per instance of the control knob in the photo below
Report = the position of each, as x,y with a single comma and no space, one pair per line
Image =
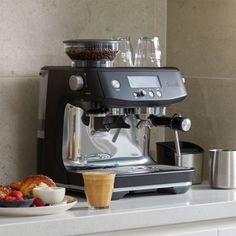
175,122
76,82
141,93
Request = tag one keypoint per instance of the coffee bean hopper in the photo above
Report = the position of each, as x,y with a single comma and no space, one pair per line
91,52
93,116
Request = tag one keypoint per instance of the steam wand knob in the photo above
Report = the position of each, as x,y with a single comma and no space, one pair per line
175,122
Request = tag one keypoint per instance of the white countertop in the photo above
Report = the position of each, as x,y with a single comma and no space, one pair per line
198,204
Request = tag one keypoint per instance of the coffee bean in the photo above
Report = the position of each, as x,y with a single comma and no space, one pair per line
93,53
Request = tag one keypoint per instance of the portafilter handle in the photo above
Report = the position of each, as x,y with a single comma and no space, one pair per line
175,122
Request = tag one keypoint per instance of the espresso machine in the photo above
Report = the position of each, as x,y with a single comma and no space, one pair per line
93,116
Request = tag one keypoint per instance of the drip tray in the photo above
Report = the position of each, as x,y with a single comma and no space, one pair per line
142,178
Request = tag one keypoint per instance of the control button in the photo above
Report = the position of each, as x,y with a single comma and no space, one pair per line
115,83
159,93
135,94
141,93
76,82
151,94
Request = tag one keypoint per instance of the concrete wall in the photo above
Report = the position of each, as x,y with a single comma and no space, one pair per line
201,41
31,35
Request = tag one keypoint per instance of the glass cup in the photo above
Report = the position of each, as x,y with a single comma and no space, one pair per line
98,187
124,58
148,53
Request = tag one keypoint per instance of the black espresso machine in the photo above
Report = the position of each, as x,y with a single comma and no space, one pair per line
93,116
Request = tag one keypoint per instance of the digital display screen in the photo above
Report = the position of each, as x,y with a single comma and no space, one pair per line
144,82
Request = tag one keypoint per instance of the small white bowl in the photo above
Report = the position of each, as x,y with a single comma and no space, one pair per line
49,195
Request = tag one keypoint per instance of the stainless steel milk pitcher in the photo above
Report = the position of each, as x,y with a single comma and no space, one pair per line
222,168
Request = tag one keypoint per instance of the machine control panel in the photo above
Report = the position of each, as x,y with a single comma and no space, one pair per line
124,87
146,86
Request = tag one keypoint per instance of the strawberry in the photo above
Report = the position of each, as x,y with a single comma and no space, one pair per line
20,199
17,194
9,198
38,202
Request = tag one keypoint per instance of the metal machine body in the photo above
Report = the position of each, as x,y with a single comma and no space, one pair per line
100,118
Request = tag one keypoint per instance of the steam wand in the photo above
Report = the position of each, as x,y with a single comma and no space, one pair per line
176,122
177,149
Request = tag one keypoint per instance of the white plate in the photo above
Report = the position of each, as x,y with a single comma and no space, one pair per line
37,211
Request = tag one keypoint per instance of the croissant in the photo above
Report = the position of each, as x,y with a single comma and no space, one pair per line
4,191
26,186
16,185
